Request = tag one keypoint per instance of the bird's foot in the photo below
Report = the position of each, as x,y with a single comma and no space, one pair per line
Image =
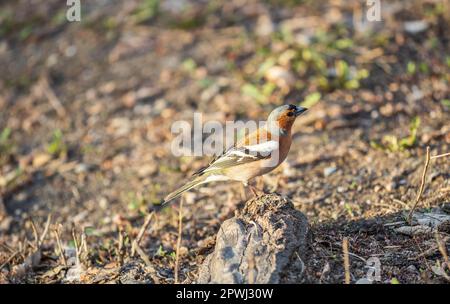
256,192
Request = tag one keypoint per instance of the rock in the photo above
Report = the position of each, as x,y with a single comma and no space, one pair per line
412,269
426,223
74,274
364,281
329,170
41,159
263,243
264,26
415,26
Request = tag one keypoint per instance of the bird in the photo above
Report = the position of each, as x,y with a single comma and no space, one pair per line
254,155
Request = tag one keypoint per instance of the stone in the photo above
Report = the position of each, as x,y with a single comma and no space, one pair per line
263,243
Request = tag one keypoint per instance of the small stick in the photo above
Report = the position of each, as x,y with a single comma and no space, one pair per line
422,185
83,246
440,155
120,247
77,247
60,249
44,233
180,223
143,256
346,260
141,234
52,98
35,232
9,259
442,249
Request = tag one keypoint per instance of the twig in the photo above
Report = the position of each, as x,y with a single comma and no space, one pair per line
346,260
422,185
149,265
52,98
44,233
60,249
180,223
141,234
9,259
120,247
35,233
443,250
440,155
83,246
143,256
77,246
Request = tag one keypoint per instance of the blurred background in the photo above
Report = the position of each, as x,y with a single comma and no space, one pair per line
86,110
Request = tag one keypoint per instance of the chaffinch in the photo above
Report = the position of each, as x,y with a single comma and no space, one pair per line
254,155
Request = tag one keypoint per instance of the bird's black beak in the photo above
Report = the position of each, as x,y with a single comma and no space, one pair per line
300,110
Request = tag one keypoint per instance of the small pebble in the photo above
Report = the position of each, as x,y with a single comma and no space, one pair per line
329,170
412,269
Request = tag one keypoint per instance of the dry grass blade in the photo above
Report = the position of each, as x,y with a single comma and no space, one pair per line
147,262
346,260
60,249
9,259
52,98
141,234
143,256
120,247
440,155
47,226
422,185
180,223
443,249
35,232
77,246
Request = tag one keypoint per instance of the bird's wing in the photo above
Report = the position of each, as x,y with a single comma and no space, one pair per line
240,155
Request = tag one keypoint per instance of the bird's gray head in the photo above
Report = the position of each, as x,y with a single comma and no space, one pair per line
281,119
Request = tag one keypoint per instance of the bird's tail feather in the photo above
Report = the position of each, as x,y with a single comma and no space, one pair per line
194,183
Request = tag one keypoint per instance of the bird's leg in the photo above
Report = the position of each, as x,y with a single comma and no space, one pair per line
253,189
243,193
260,183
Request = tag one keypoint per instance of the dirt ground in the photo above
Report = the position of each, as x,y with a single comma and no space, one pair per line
86,110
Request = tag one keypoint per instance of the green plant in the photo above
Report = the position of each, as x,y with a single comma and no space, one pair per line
394,144
311,100
446,103
6,145
346,77
261,95
160,252
57,146
189,65
146,11
411,68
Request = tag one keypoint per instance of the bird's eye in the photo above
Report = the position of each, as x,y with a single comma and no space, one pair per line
290,113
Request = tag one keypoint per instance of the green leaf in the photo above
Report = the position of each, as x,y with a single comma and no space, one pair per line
252,91
410,141
342,69
311,100
57,146
189,65
446,103
160,252
343,43
411,68
4,136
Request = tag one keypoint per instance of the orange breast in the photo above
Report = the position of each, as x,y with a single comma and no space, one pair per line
257,137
